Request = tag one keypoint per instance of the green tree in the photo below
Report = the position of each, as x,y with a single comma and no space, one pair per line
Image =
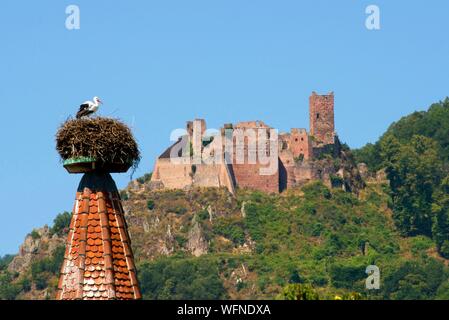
145,178
42,270
150,204
296,291
232,230
414,280
414,171
5,261
35,234
347,276
370,155
443,291
440,209
61,224
181,278
8,290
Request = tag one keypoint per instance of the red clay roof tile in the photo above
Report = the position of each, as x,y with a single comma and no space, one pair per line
98,252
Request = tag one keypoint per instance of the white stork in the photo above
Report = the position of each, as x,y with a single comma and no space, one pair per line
88,108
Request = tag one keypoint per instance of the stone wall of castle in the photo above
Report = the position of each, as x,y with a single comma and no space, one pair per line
212,175
172,176
299,143
247,174
169,175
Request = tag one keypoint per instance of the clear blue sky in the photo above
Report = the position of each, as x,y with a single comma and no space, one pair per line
157,64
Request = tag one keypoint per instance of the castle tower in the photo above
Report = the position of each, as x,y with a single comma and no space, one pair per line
300,143
198,129
98,262
321,112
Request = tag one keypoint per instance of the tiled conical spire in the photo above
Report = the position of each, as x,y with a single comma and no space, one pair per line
98,262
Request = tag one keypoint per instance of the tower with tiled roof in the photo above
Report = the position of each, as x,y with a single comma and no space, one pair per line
98,262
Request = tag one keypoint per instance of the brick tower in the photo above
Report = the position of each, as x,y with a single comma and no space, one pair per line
321,110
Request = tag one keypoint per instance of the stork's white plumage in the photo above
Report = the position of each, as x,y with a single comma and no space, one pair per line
88,108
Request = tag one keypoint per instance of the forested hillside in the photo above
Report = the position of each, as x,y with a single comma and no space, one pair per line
415,154
258,246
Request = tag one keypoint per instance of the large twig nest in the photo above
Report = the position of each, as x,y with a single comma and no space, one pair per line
104,139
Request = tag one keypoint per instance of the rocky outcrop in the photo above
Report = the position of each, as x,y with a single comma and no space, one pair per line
155,185
196,242
242,210
167,246
37,243
340,173
211,213
363,170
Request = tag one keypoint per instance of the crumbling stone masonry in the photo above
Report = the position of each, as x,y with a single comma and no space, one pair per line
322,118
297,151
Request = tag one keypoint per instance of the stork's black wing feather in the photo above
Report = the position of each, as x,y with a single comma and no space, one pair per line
84,110
84,106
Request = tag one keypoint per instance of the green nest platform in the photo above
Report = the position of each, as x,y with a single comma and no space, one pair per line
88,164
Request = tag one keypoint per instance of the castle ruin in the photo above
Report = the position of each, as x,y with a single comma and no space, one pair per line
295,162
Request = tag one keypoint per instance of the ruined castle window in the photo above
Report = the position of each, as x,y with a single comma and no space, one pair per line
296,139
317,115
284,145
302,139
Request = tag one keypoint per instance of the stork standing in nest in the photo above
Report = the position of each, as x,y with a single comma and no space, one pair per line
88,108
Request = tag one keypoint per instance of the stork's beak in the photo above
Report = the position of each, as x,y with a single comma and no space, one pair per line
101,102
